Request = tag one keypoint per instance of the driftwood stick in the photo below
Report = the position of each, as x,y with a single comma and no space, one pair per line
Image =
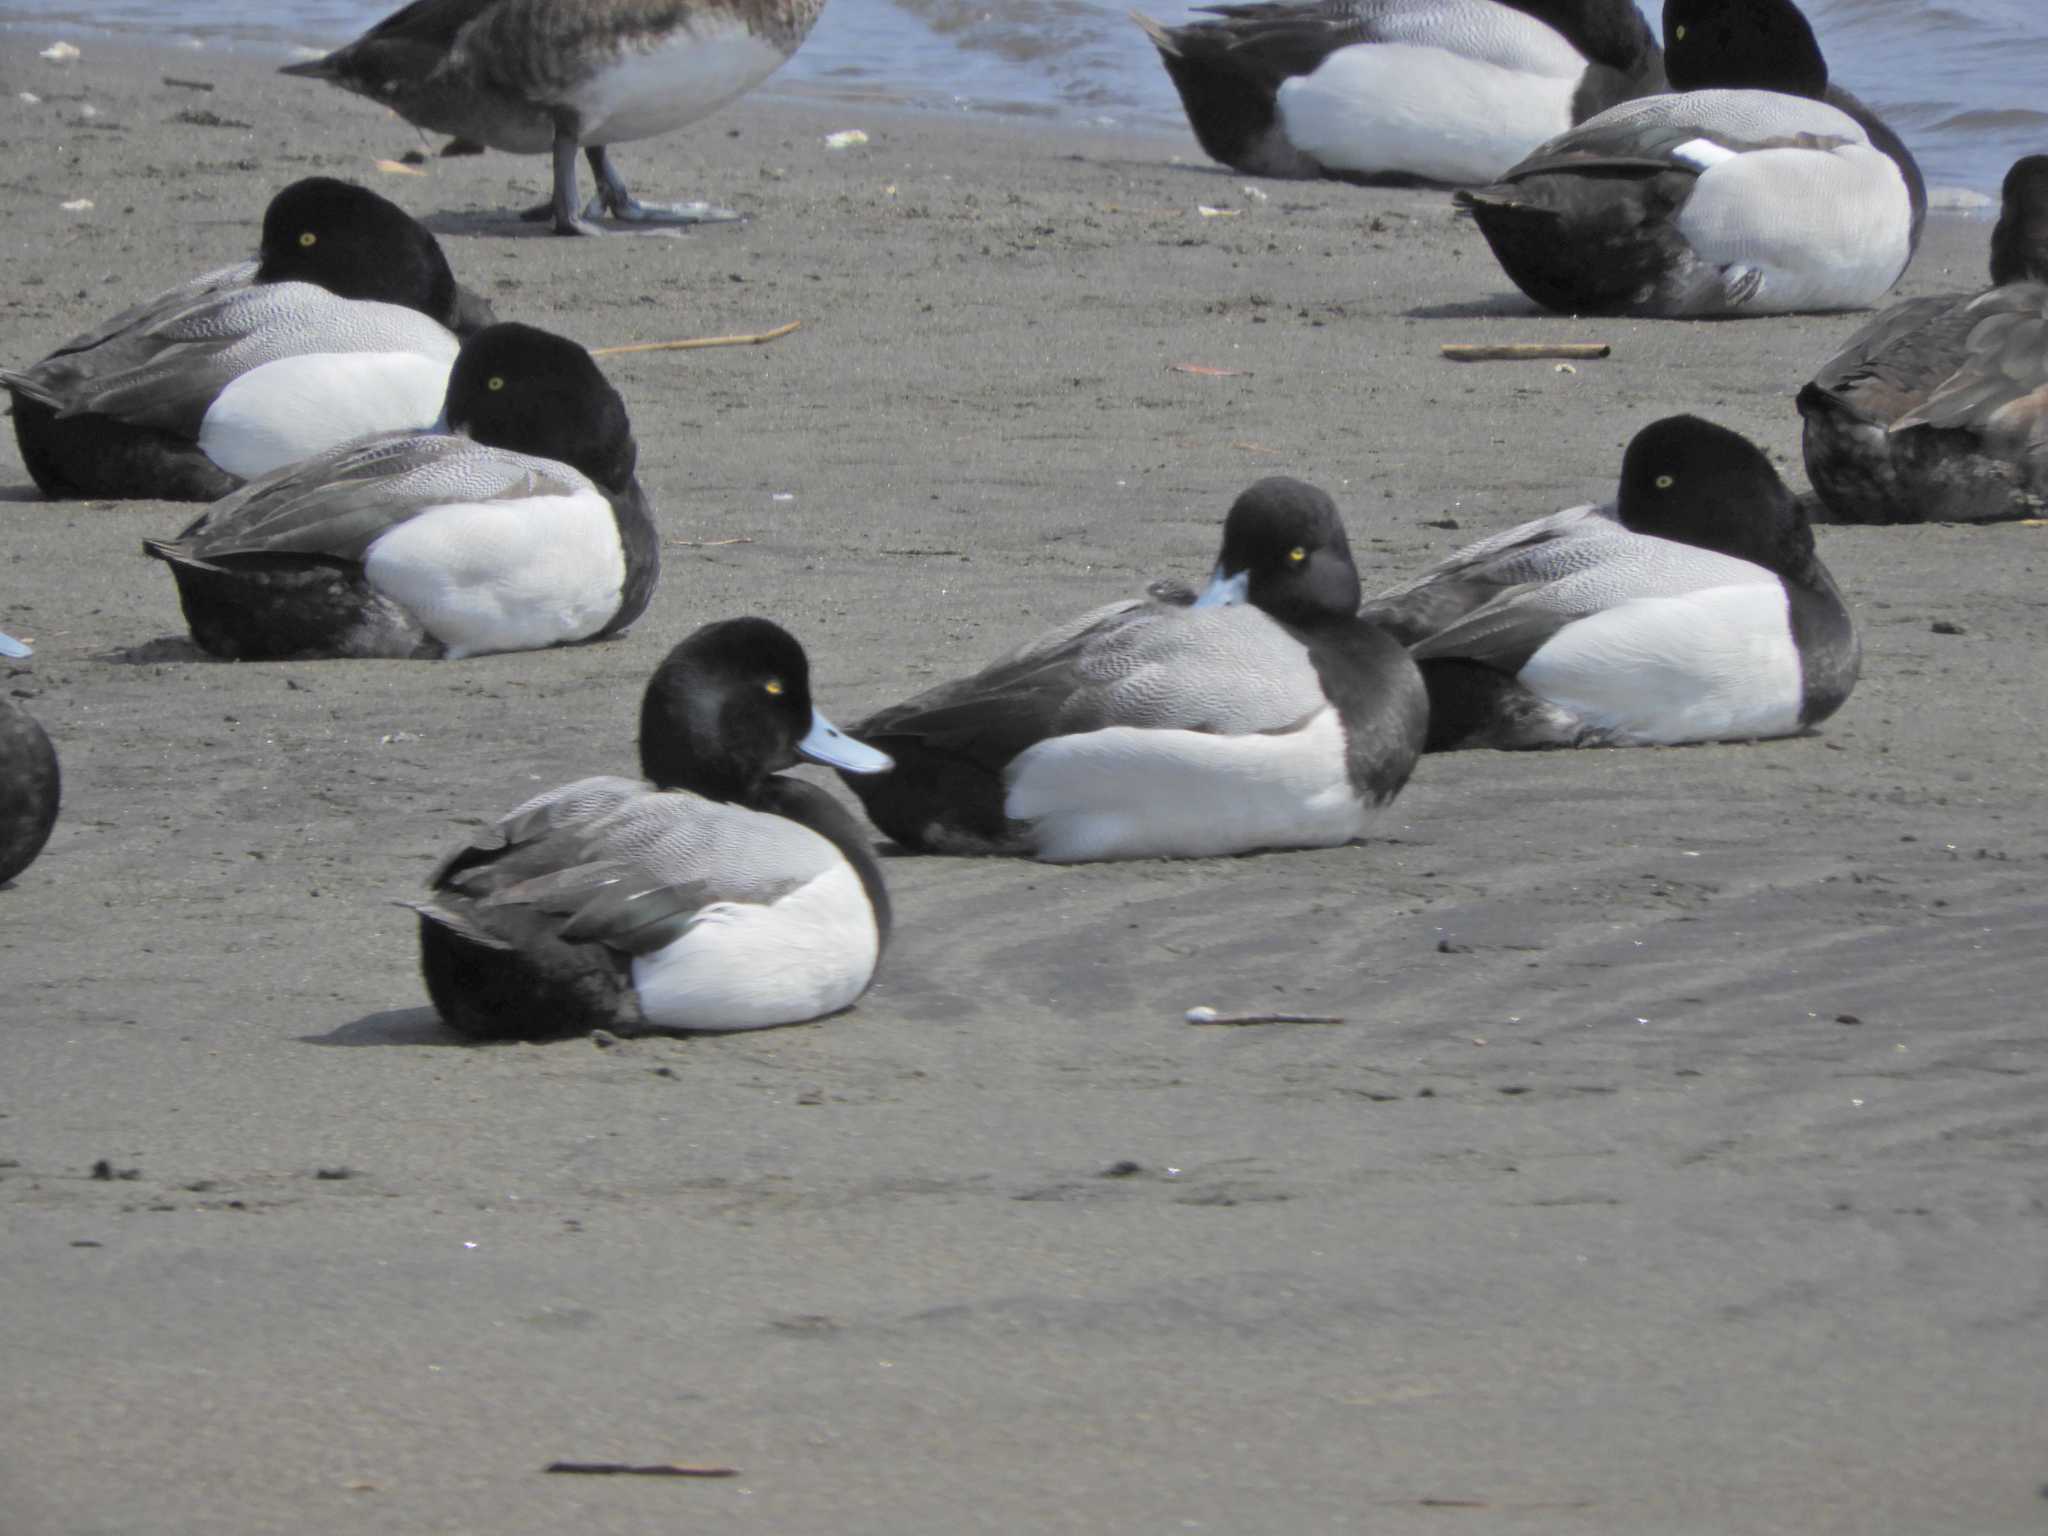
629,1469
1208,1015
694,342
1516,351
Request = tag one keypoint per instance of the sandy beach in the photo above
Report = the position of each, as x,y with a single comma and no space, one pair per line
1678,1167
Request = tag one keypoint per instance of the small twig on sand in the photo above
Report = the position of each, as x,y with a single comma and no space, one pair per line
696,341
1517,351
703,543
628,1469
1208,1015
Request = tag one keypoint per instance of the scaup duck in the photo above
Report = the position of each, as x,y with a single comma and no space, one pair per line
1451,91
717,894
553,76
344,325
521,525
1693,609
1260,714
1755,189
30,785
1937,411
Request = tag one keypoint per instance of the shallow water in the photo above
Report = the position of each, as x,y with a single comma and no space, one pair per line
1960,79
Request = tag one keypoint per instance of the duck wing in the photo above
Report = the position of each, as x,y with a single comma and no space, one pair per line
2000,385
1689,131
1528,554
339,503
1152,665
1569,578
616,862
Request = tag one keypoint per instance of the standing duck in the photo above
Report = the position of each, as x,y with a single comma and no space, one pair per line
1937,410
30,784
522,525
1756,189
345,324
717,894
1451,91
1692,609
1261,714
555,76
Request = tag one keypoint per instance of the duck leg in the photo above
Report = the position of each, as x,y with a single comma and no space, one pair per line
623,205
611,198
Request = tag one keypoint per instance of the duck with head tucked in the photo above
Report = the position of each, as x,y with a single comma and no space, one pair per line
1260,714
345,324
554,76
1449,91
519,526
1937,410
1693,608
1755,188
716,894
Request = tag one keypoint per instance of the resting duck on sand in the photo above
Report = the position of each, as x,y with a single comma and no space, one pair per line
345,324
522,525
1694,608
1451,91
1261,714
1757,188
715,894
1937,411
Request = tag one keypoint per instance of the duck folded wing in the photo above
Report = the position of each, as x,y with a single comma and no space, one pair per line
340,503
167,370
1527,553
2001,385
1694,130
1896,358
184,295
599,849
1221,670
1520,620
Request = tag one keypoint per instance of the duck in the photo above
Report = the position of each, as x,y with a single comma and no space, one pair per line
554,76
518,524
1937,410
714,893
1754,188
1692,608
1257,714
344,324
30,782
1400,91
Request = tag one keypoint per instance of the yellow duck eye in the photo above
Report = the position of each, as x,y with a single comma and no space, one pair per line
1296,555
495,382
1665,482
308,238
774,686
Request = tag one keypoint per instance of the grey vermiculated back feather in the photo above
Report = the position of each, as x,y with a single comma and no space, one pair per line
339,502
165,372
575,839
1650,127
1228,670
238,275
1477,29
1531,552
1575,563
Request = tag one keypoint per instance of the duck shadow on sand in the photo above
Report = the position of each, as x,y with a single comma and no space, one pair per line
392,1026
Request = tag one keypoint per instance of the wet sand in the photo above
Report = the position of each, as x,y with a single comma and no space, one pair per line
1677,1169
